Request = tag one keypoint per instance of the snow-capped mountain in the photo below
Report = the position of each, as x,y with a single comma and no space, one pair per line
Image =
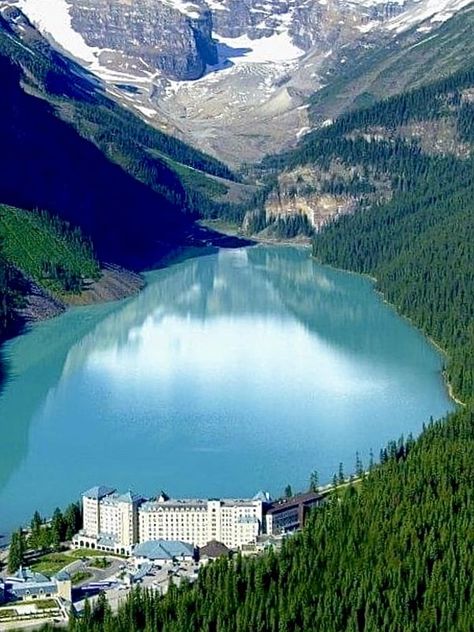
232,76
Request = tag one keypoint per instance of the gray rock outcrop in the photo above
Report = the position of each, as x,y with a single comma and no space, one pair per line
174,38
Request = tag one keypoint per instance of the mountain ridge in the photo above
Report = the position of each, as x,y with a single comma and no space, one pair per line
272,57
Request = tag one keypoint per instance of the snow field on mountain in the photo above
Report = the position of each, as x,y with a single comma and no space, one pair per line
433,10
274,49
52,17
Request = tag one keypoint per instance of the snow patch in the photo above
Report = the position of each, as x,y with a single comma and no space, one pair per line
52,17
146,111
189,9
216,5
434,10
365,28
277,48
423,41
302,132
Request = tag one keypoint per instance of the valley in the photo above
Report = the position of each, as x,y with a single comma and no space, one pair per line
129,130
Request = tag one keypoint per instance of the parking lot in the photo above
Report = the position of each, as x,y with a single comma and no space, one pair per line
117,581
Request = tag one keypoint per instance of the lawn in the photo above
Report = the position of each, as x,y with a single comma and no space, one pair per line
51,563
41,604
7,613
77,554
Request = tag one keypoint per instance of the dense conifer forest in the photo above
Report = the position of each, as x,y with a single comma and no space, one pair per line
44,249
47,250
395,552
9,296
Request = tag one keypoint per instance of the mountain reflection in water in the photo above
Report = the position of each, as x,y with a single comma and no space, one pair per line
232,372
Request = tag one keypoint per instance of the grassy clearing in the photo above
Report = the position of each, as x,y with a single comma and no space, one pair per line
46,249
41,604
80,553
194,178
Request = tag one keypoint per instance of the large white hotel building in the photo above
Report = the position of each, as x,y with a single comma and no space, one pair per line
116,522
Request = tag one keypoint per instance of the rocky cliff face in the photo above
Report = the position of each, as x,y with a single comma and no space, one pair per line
174,38
324,194
308,23
254,18
254,64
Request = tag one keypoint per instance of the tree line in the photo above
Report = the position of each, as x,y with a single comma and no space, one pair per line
44,535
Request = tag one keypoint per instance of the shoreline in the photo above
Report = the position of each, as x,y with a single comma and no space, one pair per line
441,351
118,283
233,230
188,252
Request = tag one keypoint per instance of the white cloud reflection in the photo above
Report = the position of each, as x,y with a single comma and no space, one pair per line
257,353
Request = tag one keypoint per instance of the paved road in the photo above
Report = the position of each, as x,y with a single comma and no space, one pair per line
98,574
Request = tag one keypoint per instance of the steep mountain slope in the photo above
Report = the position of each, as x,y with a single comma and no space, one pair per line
60,134
371,156
257,63
69,150
43,264
405,62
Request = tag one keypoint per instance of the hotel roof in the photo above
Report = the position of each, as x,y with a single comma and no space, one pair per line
301,500
107,539
196,503
25,574
98,492
214,549
131,497
163,549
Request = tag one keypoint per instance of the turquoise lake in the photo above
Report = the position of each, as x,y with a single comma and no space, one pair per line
233,372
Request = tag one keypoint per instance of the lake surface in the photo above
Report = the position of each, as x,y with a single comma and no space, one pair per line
229,373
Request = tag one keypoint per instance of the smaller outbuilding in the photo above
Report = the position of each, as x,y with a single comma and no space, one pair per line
26,585
160,552
213,550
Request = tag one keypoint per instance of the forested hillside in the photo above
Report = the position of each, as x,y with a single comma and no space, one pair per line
47,250
70,150
36,247
372,155
395,553
405,62
9,296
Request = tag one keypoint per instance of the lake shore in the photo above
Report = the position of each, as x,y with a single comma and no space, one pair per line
118,283
178,370
115,283
229,229
372,279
